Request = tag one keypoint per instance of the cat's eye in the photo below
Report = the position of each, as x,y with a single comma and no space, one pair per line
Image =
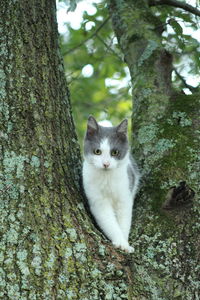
97,151
114,152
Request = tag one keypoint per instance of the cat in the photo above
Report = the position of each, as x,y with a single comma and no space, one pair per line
110,180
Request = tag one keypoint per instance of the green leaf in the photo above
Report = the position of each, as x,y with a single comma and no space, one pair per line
176,26
72,5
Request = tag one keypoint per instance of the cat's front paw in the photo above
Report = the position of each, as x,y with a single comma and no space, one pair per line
124,246
130,249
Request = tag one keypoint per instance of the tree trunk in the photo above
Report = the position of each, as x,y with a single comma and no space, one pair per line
166,136
49,248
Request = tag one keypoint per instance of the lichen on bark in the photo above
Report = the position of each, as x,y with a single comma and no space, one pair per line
165,142
49,247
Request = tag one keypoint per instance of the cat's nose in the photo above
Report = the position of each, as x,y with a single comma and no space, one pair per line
106,165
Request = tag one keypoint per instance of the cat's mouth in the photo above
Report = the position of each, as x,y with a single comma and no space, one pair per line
106,169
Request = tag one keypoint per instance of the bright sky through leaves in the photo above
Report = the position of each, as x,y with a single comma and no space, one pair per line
75,18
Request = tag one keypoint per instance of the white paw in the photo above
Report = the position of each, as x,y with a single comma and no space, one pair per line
130,249
123,245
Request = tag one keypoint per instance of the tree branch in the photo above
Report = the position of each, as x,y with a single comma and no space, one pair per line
176,3
87,39
188,86
109,47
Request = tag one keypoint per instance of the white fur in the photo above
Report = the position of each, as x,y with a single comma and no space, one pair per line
109,196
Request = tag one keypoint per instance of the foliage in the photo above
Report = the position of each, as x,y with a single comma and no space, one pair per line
95,94
177,39
104,98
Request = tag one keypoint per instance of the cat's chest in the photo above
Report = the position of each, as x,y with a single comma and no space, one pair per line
107,183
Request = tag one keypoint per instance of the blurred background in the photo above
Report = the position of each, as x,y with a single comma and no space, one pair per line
97,76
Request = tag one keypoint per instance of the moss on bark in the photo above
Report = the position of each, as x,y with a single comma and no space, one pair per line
49,248
165,141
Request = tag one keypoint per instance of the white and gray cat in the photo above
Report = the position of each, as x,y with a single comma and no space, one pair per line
110,180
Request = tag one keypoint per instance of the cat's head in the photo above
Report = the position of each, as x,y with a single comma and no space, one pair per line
105,147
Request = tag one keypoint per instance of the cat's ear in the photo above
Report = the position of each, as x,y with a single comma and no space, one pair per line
92,125
123,127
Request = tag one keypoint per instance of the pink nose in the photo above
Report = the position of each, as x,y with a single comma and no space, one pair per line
106,165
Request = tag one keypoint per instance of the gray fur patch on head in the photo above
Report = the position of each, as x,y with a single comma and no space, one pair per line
117,137
92,125
123,127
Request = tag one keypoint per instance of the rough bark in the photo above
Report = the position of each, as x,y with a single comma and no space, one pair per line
49,248
166,135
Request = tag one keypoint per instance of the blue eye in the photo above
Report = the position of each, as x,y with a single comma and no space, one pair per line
97,151
114,152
